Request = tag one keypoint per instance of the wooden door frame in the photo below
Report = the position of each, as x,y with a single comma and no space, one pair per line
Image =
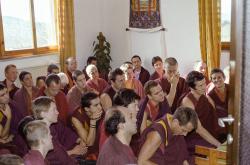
235,63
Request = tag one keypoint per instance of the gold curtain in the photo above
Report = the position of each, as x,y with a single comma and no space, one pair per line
210,32
66,30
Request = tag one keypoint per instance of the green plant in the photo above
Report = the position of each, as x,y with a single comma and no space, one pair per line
102,53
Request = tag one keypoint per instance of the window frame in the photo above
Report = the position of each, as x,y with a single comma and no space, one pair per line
226,45
36,51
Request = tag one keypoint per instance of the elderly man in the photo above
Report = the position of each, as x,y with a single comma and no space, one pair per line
71,66
171,72
10,78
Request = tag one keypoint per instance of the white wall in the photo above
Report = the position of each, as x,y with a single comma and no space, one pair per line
182,36
87,26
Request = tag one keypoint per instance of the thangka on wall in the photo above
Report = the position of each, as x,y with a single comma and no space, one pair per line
144,14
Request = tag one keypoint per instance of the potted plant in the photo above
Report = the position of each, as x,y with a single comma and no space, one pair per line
102,53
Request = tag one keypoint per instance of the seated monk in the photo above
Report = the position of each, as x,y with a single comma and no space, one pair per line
158,66
156,104
39,140
94,80
117,79
28,92
126,98
163,142
220,96
196,99
86,121
65,142
52,90
9,118
130,81
75,93
140,72
10,78
120,124
171,73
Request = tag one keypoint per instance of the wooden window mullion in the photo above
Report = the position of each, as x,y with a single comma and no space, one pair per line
33,25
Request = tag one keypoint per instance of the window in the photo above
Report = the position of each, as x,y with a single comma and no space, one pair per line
27,27
225,23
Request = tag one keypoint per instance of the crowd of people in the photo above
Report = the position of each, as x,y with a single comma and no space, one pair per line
127,117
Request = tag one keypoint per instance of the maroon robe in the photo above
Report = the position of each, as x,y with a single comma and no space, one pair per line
93,150
63,139
181,89
154,76
209,120
61,104
221,107
175,152
13,90
34,157
23,100
110,91
144,76
71,83
115,153
102,84
74,97
11,146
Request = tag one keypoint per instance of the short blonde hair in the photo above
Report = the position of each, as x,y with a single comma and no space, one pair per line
41,104
35,131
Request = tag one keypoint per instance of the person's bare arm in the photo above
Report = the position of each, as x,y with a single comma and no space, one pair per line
150,146
106,101
200,129
206,135
171,95
144,122
87,136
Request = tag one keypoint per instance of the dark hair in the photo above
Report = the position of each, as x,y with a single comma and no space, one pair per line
86,99
6,69
136,56
171,61
192,77
185,115
22,123
10,159
52,67
90,59
52,78
2,86
155,59
23,74
112,121
76,73
41,78
217,70
114,73
124,97
148,85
